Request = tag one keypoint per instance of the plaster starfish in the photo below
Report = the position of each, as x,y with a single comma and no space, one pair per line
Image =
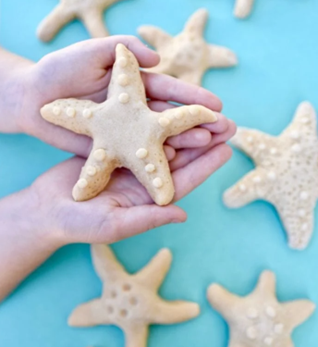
187,55
258,319
126,132
286,173
131,302
243,8
90,12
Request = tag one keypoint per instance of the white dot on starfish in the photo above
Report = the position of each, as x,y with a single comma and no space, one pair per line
157,182
87,113
179,114
278,328
122,62
99,154
257,179
268,341
194,110
82,183
271,175
141,153
251,333
242,187
252,313
273,150
301,213
304,227
164,121
294,134
296,148
56,110
91,170
262,146
270,311
150,168
123,80
304,195
249,139
70,111
123,98
305,120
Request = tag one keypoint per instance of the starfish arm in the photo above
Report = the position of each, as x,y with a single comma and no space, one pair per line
243,8
244,191
266,283
165,312
70,114
156,37
297,312
222,300
94,175
50,25
136,336
154,273
194,77
253,143
197,22
220,57
105,263
89,314
304,122
94,22
126,83
180,119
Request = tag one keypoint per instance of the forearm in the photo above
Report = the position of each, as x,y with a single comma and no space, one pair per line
23,246
13,75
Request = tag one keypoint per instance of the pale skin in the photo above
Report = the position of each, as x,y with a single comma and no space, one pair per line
37,221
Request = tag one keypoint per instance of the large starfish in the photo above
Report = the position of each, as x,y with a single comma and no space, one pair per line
258,319
125,132
286,173
90,12
243,8
131,302
187,55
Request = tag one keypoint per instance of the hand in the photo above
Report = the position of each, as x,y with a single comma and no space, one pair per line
124,209
83,70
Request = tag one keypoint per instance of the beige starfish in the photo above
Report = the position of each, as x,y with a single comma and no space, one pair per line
243,8
286,173
131,302
90,12
126,132
258,319
187,55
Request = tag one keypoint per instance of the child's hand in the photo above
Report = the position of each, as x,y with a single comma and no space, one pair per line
83,70
124,208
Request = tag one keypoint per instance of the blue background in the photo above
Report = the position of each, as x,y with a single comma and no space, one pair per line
277,50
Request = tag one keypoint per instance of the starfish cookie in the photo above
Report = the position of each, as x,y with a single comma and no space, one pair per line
131,302
90,12
126,132
286,173
187,55
243,8
259,320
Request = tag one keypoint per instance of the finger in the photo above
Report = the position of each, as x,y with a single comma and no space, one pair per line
159,106
186,156
192,138
218,127
163,87
170,152
127,222
195,173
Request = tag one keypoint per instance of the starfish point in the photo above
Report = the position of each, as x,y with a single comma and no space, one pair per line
131,302
259,319
90,12
187,56
126,132
286,173
243,8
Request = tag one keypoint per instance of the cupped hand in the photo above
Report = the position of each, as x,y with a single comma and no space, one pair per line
83,71
124,209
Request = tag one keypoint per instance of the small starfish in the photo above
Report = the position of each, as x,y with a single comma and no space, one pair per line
259,320
90,12
126,132
187,56
286,173
243,8
131,302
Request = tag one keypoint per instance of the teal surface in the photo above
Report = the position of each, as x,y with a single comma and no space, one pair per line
277,49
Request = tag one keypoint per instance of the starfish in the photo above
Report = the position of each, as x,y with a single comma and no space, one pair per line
125,132
286,173
259,319
243,8
187,56
131,302
90,12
